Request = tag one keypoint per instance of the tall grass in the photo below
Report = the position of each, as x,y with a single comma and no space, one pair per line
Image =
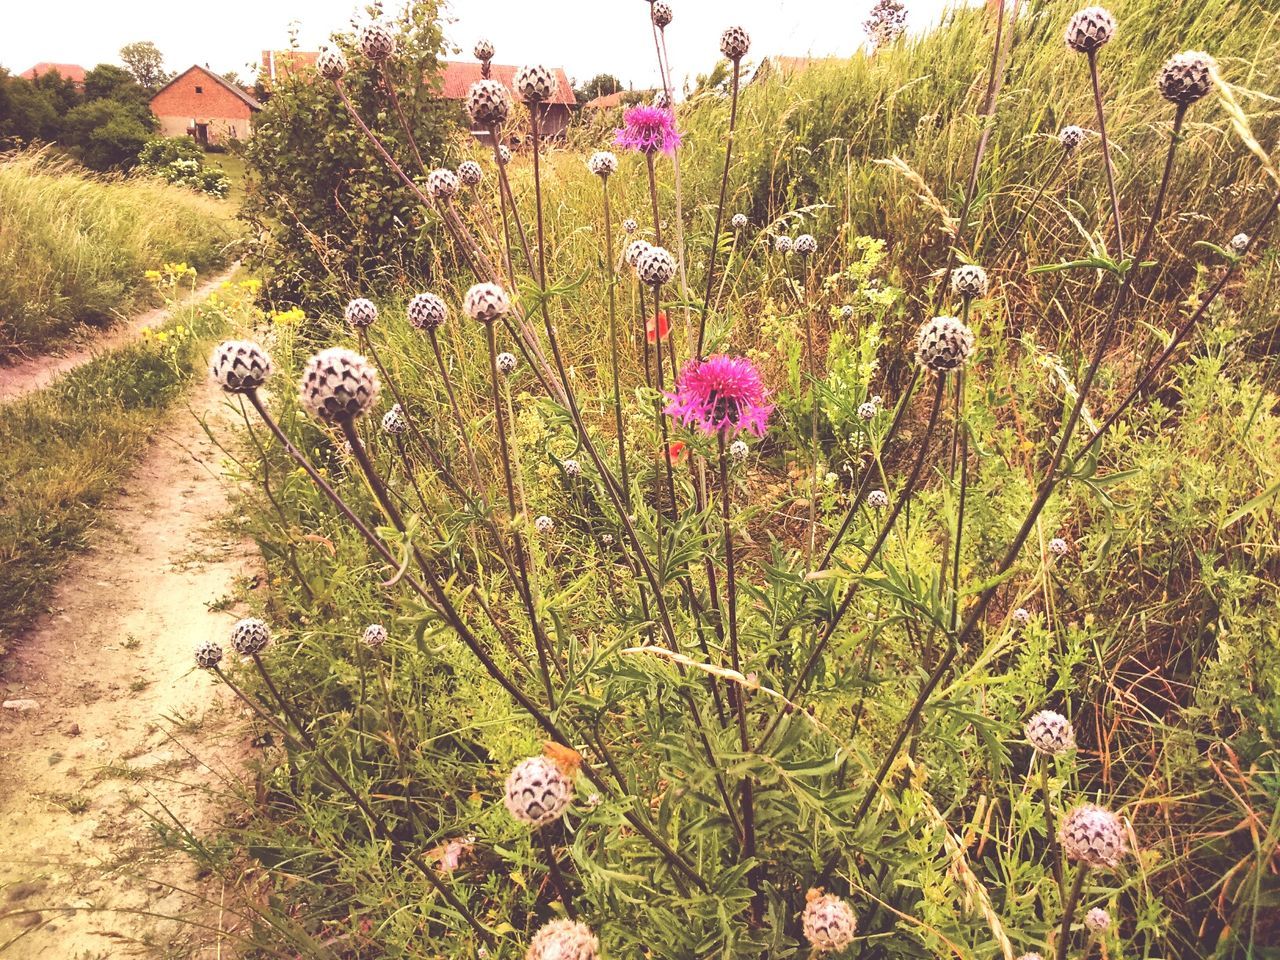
74,245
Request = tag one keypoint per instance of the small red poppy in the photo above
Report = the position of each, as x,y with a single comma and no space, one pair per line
658,324
676,450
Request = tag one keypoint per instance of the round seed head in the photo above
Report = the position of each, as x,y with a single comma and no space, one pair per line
943,344
504,154
506,363
868,410
1071,137
782,244
846,312
739,451
488,102
442,183
1186,77
661,13
375,635
1050,733
656,266
394,422
629,225
636,250
239,366
877,499
969,281
250,636
427,311
338,384
805,245
360,313
208,654
1031,956
829,923
564,940
1238,244
734,43
1097,920
1022,616
486,302
1090,30
572,469
537,791
331,64
535,83
602,163
376,41
470,173
483,50
739,221
1059,547
544,525
1093,835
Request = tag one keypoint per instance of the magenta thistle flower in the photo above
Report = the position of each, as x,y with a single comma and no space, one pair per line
721,394
648,130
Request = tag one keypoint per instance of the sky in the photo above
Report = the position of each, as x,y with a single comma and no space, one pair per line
586,37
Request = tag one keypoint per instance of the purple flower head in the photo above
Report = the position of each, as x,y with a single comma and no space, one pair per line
648,130
721,394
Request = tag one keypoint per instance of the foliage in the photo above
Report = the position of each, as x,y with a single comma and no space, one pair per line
144,60
598,86
178,160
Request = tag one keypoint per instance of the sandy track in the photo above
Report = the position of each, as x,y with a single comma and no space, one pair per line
37,373
123,722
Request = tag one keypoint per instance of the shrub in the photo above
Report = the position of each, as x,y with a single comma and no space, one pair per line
178,160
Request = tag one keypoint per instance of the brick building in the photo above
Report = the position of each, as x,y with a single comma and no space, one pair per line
198,103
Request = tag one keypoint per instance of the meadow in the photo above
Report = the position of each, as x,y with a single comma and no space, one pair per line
954,635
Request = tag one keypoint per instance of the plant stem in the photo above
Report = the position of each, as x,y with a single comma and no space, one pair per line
814,458
724,191
1055,849
611,280
1068,913
447,381
553,870
1106,153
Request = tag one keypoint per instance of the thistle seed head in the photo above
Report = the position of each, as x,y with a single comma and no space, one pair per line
944,344
442,183
427,312
1059,547
636,250
739,451
504,154
805,245
376,40
483,50
338,384
656,266
208,654
360,313
1093,835
537,791
661,13
602,164
239,366
1090,29
1050,733
782,243
1022,616
739,221
1186,77
572,469
544,525
829,923
734,43
331,63
1071,137
1238,244
867,410
1097,921
564,940
969,281
535,83
877,499
629,225
506,363
470,173
1031,956
394,422
486,302
250,636
488,102
375,635
846,312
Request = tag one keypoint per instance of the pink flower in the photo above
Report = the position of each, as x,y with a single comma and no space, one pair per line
648,130
721,394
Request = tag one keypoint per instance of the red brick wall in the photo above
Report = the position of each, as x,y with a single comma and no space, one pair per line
214,102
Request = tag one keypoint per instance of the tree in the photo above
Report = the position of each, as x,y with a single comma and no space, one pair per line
27,113
106,81
886,22
145,61
600,85
106,134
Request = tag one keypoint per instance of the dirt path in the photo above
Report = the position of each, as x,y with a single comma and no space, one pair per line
118,707
38,373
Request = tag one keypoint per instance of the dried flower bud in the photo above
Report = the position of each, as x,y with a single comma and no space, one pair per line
338,384
572,469
1186,77
656,266
1050,733
360,313
782,244
394,422
1022,616
544,525
442,184
734,43
537,791
535,83
504,154
506,363
661,13
376,41
846,312
488,102
1093,835
486,302
828,922
239,366
636,250
483,50
603,163
629,225
1059,547
877,499
739,221
470,173
1097,921
208,654
1071,137
739,451
944,344
805,245
969,281
375,635
1238,244
331,64
564,940
868,410
1090,30
250,636
427,311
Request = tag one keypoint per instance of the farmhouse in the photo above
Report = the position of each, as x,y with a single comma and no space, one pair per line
456,79
200,104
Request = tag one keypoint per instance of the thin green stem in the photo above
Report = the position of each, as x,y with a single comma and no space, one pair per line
724,192
1068,913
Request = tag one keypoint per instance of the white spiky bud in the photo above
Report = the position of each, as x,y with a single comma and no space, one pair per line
506,363
629,225
1090,29
846,312
828,922
1071,137
360,313
1050,733
338,384
739,221
250,636
656,266
944,344
969,281
208,654
877,499
537,791
427,311
544,525
375,635
486,302
535,83
572,469
394,422
470,173
1030,956
805,245
1022,616
376,40
1097,921
1238,244
504,154
661,14
636,250
564,940
488,102
1186,77
734,43
1093,835
1059,547
603,163
483,50
442,183
867,410
331,64
739,451
782,243
239,366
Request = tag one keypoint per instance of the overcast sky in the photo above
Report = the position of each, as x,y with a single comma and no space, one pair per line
586,37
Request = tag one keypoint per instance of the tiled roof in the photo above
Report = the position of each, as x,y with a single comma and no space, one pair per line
459,75
72,71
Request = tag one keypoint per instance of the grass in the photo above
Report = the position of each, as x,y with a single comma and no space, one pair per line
65,450
74,246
